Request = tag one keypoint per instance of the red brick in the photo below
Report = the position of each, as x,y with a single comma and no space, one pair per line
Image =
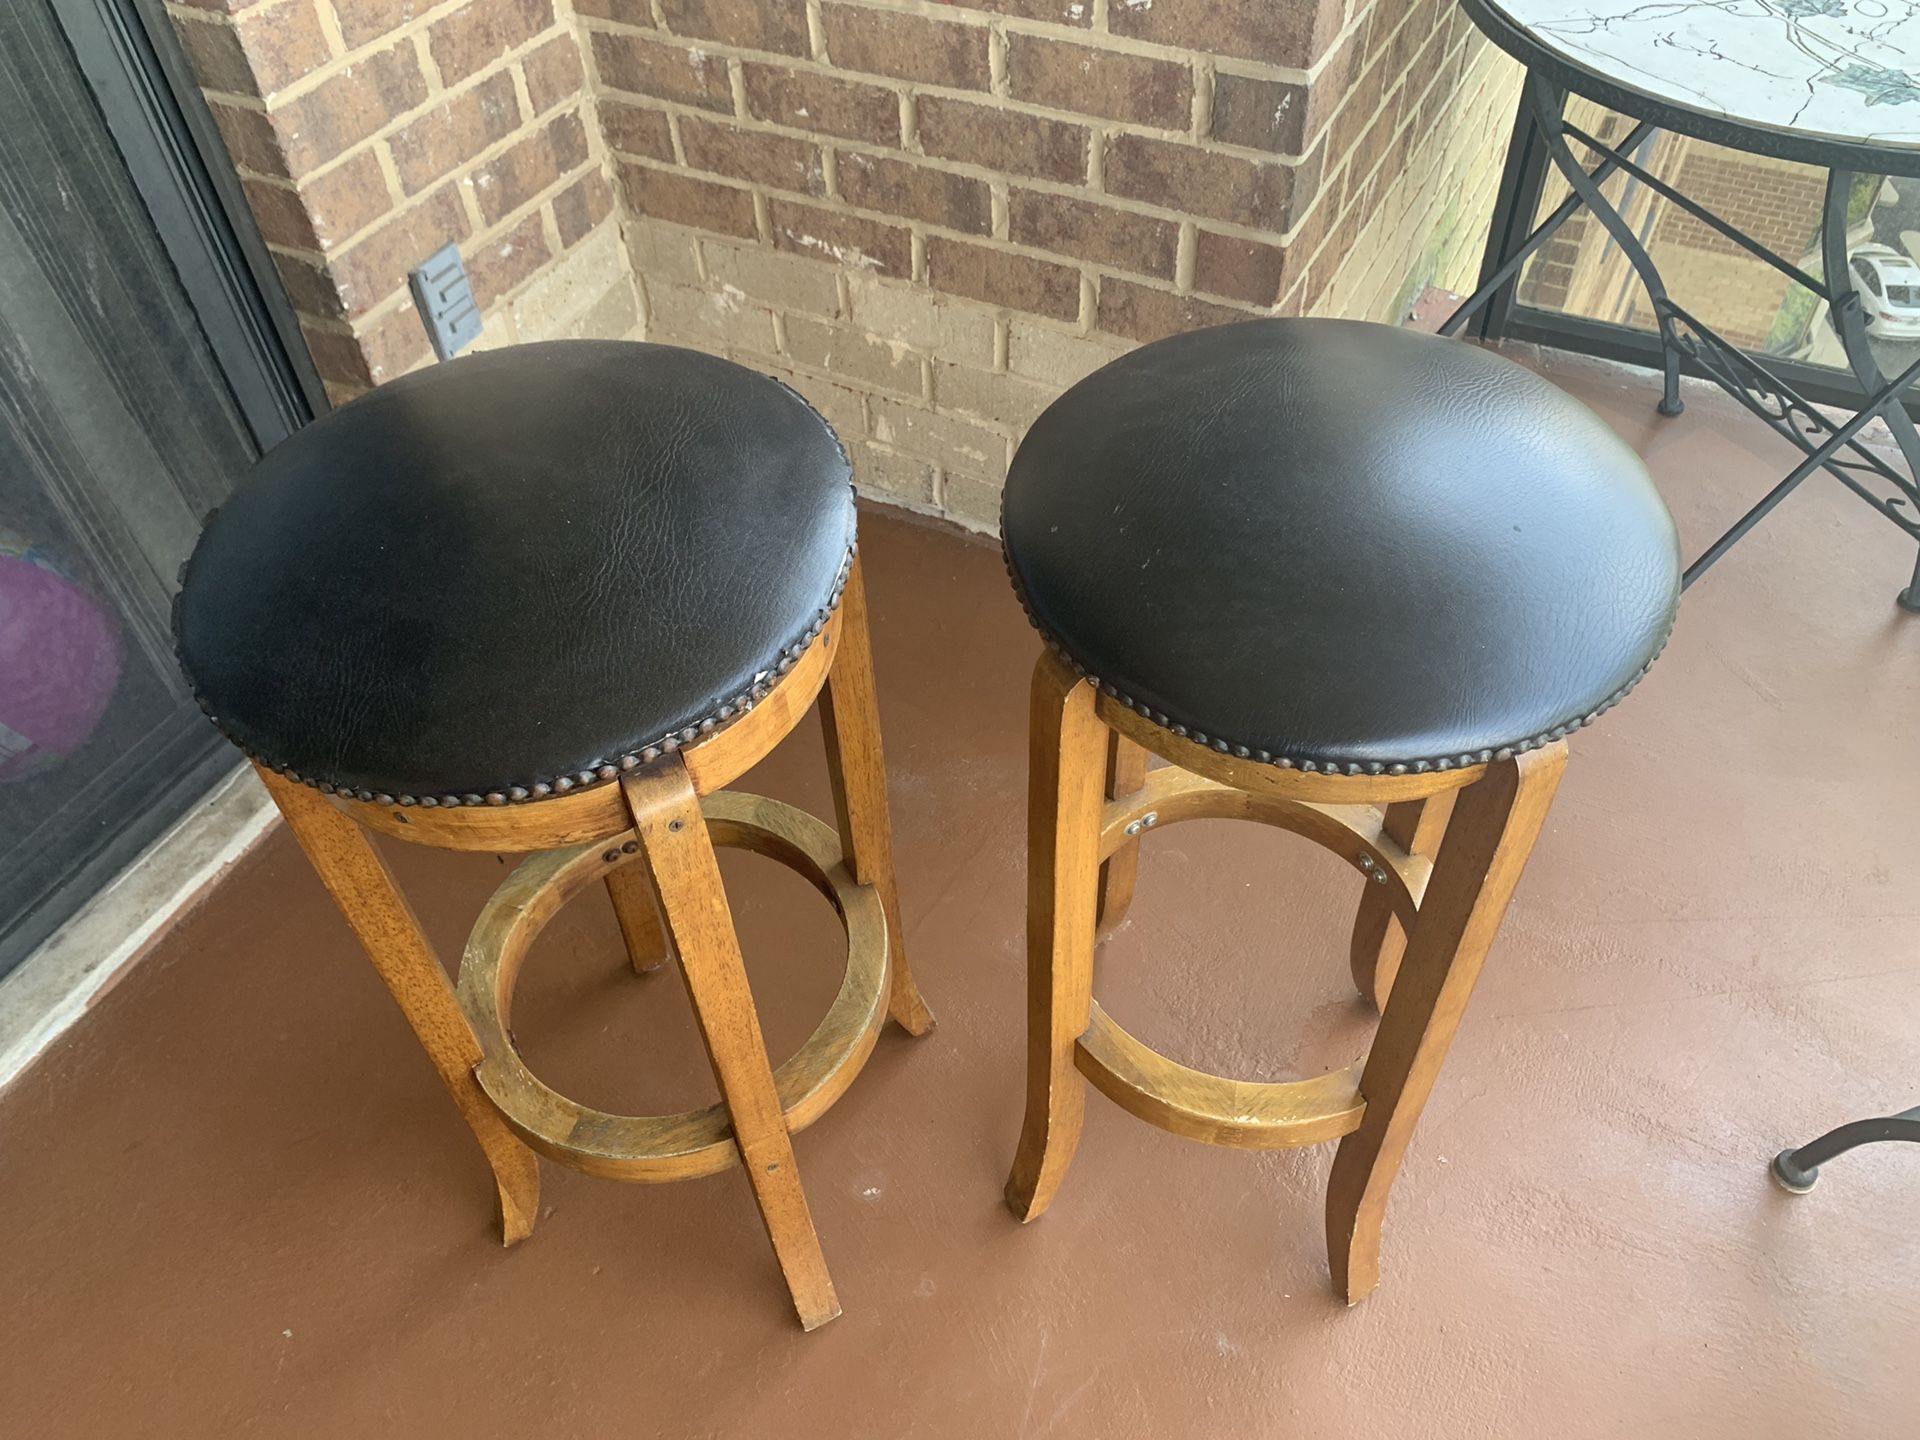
581,206
213,50
507,260
348,107
250,139
281,215
1059,12
1141,313
522,171
915,192
636,130
395,343
1000,277
260,52
823,102
309,287
1100,82
1262,114
448,136
1003,139
668,72
1274,32
478,33
1307,121
554,73
1249,270
850,240
1095,233
778,25
908,47
338,358
347,199
376,265
1180,177
364,21
779,162
687,201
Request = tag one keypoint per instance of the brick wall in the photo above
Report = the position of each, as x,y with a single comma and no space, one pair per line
928,217
368,133
931,217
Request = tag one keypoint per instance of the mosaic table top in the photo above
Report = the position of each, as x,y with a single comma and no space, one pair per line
1845,70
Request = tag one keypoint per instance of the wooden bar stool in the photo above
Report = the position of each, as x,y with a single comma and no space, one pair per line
1345,579
554,599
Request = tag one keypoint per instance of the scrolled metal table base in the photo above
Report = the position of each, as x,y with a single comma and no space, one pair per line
1686,342
1799,1170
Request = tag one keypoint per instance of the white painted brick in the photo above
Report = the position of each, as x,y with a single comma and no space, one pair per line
780,280
917,318
678,313
946,440
970,502
661,252
886,475
887,365
1002,399
1054,359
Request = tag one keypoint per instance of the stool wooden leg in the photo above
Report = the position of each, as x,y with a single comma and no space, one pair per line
679,856
1065,777
857,765
1417,826
1126,773
364,889
1495,823
639,917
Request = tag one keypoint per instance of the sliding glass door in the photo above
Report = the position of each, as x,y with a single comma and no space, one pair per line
129,404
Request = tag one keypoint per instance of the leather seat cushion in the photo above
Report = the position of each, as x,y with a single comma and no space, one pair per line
1341,546
510,573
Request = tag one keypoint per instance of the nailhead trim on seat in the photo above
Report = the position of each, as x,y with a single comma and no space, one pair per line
1312,764
600,773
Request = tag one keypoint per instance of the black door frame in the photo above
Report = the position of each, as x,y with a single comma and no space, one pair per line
133,63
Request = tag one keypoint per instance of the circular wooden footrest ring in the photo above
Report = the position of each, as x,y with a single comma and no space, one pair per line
695,1142
1356,833
1246,1114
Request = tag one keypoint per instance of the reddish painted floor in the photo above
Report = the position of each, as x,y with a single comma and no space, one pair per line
234,1202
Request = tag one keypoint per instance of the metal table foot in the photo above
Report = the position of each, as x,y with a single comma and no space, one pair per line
1799,1170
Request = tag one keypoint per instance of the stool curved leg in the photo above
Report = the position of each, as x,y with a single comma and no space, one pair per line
1417,826
639,916
1066,775
1126,773
679,857
857,766
1495,823
384,923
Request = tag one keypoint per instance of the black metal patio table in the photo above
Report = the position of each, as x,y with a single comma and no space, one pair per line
1824,82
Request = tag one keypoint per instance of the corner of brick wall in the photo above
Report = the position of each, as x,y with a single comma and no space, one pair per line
369,133
932,217
928,217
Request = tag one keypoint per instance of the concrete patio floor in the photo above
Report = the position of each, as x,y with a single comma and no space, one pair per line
235,1202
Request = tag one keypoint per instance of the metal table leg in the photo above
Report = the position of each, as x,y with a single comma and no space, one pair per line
1540,138
1799,1170
1549,101
1851,325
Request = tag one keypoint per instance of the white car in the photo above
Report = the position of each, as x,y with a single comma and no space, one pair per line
1889,287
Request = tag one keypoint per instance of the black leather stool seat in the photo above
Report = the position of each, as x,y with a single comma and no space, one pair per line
1341,546
518,572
